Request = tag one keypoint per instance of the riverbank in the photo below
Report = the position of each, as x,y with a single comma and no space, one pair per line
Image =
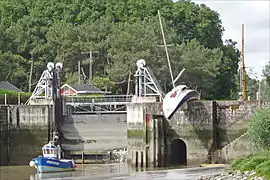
230,175
255,166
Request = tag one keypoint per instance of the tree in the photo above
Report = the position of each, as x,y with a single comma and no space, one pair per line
121,32
12,69
202,67
226,80
193,21
133,11
265,84
129,43
266,73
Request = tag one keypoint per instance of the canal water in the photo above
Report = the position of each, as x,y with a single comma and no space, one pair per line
106,172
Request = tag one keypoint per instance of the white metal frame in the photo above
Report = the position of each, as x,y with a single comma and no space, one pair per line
147,81
44,86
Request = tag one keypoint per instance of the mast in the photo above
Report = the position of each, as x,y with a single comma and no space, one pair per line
166,49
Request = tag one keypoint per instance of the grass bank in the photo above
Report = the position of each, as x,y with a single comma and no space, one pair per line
259,162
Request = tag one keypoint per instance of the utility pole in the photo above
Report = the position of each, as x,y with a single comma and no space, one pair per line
79,72
90,68
31,71
243,68
90,65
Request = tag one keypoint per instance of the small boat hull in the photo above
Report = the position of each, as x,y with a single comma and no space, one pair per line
44,165
44,169
176,98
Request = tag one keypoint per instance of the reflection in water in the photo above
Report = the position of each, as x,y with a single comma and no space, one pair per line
24,172
100,172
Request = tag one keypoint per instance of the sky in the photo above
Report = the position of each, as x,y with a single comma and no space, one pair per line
255,15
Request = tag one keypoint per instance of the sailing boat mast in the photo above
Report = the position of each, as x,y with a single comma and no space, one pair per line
167,54
166,49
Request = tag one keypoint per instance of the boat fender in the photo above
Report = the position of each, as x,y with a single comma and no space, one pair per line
32,163
74,165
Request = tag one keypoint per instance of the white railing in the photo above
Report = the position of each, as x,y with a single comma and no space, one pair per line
98,99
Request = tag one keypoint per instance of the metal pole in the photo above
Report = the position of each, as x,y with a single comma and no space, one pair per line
31,71
166,50
260,92
79,72
53,107
140,83
19,98
243,67
5,99
90,68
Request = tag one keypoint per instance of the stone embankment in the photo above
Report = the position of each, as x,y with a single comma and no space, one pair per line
248,175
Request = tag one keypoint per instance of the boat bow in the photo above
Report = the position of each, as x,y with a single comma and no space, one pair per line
176,98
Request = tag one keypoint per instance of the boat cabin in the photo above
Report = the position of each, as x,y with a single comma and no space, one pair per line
51,151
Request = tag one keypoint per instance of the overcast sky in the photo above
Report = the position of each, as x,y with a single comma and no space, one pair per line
255,15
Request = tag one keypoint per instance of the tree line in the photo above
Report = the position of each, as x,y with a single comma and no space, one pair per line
118,33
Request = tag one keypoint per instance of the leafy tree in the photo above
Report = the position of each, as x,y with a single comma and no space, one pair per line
121,32
11,11
133,11
12,69
193,21
103,83
226,81
202,67
128,43
266,73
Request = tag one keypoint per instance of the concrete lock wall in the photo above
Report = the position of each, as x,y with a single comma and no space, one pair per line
94,133
233,119
200,132
24,130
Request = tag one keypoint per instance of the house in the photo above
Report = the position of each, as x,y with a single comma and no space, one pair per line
80,89
4,85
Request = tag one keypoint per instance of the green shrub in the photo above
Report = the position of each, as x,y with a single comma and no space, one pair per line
264,169
250,164
259,128
260,162
12,97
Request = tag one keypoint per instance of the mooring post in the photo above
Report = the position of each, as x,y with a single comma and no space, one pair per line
82,157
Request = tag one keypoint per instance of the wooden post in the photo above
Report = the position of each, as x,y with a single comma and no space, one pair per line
154,143
5,99
19,98
79,72
243,67
8,134
31,71
157,144
82,157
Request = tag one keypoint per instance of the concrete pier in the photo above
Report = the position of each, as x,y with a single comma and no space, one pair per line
24,130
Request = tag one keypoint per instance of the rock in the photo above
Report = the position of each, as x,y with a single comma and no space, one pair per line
231,176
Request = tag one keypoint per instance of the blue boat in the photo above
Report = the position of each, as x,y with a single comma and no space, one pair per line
51,160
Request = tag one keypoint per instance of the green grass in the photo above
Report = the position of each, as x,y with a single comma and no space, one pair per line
260,162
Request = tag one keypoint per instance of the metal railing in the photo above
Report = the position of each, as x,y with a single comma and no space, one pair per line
98,99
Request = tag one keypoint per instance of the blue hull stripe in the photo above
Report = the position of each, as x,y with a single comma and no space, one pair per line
52,169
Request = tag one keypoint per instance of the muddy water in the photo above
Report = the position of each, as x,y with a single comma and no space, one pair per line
104,171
